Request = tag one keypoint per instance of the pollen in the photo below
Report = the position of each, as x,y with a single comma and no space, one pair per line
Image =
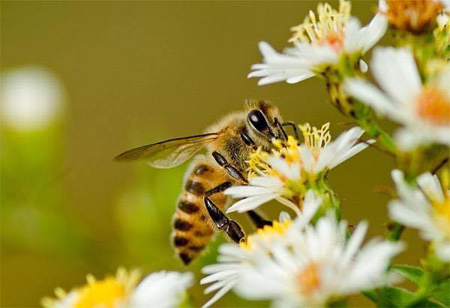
257,165
308,279
316,139
266,234
413,15
328,27
433,106
288,151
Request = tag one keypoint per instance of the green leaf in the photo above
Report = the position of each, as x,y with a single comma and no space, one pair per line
412,273
390,297
397,297
442,293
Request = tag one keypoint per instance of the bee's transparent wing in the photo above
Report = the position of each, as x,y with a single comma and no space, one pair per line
169,153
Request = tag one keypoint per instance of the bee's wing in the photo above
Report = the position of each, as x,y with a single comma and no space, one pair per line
169,153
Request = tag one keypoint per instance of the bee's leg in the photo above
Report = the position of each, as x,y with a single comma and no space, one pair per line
280,127
294,127
231,227
258,220
248,140
231,170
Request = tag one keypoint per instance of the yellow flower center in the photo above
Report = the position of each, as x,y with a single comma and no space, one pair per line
105,293
442,216
434,106
266,234
110,292
316,139
309,279
412,15
327,28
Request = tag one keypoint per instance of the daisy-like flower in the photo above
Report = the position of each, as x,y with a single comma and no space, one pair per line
159,289
412,15
319,43
316,265
32,98
234,259
284,173
426,208
423,110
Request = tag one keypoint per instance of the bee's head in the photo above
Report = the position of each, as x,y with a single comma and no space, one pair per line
264,122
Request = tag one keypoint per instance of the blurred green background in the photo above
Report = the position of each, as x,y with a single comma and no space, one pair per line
135,73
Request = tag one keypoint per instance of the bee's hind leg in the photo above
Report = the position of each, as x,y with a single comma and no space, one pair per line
222,222
258,220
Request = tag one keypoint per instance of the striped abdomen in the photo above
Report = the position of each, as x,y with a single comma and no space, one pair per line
192,227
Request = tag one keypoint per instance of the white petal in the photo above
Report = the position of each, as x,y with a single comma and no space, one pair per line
251,203
355,241
396,71
370,95
161,289
431,186
311,204
373,32
218,295
352,40
246,191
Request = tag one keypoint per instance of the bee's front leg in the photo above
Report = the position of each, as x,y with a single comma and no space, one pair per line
231,170
231,227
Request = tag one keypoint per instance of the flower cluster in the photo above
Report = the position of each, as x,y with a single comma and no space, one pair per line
316,259
294,263
291,170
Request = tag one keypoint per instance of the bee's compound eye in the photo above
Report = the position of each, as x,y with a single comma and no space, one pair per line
258,120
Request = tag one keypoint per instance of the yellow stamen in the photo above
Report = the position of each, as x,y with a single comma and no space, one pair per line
434,106
309,279
257,165
316,139
327,28
266,234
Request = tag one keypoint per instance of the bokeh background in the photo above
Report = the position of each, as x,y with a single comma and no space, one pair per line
101,77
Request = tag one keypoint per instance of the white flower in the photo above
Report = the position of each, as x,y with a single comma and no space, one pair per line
315,265
423,110
264,188
426,208
318,43
233,258
31,98
159,289
317,154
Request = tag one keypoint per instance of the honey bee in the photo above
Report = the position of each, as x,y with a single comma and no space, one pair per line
228,145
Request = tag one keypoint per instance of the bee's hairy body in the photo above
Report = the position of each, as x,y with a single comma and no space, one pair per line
228,143
192,226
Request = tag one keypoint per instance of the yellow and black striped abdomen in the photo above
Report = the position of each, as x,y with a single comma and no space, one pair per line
192,227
